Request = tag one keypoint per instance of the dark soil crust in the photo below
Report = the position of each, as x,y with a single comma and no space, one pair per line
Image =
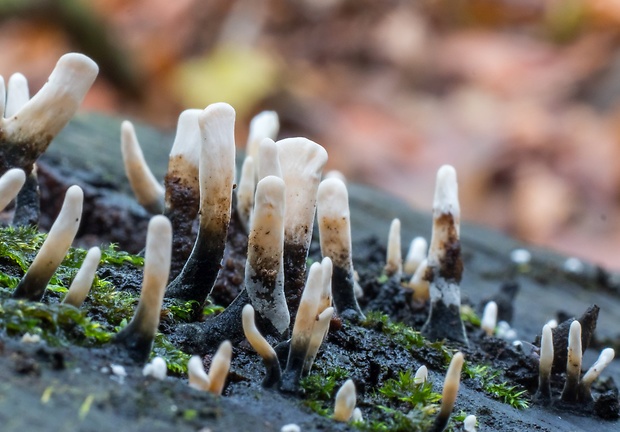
44,388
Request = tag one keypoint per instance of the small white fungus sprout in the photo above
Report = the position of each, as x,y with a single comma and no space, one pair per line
54,248
80,287
147,190
469,424
416,254
421,375
394,260
156,368
489,318
573,364
10,184
345,402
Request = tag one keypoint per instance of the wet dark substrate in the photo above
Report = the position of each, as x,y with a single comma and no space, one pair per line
74,375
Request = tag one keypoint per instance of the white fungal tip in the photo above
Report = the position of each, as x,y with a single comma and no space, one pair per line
451,384
469,424
520,256
419,284
357,415
187,138
147,190
156,368
264,125
80,287
552,323
268,159
31,338
546,351
335,174
198,378
258,342
219,367
446,199
292,427
11,183
606,356
394,260
17,94
421,375
573,265
345,402
489,318
417,252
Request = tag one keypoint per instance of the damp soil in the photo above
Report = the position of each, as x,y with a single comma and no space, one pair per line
44,388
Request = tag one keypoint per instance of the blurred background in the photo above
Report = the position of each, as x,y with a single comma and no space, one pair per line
521,96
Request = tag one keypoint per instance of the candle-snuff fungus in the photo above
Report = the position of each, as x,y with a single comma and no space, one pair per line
322,335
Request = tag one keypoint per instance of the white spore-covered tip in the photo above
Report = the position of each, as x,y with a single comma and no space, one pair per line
446,199
217,164
345,402
52,107
137,337
10,184
80,287
149,193
264,125
54,248
264,270
17,94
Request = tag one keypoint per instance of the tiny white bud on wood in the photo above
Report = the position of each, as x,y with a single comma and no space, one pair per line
345,402
80,287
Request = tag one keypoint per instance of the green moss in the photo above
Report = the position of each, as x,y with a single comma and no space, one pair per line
468,315
106,310
491,382
176,360
58,324
398,332
320,388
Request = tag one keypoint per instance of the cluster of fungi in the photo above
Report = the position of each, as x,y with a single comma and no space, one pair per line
284,309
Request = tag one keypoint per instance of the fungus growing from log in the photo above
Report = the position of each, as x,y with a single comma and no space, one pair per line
573,365
419,284
421,375
17,94
262,347
32,285
198,378
303,328
416,254
450,390
301,161
156,368
345,402
31,126
489,318
137,337
268,159
584,392
219,368
264,125
216,378
147,190
10,184
264,268
445,266
546,361
469,424
334,222
394,260
82,282
245,192
217,173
